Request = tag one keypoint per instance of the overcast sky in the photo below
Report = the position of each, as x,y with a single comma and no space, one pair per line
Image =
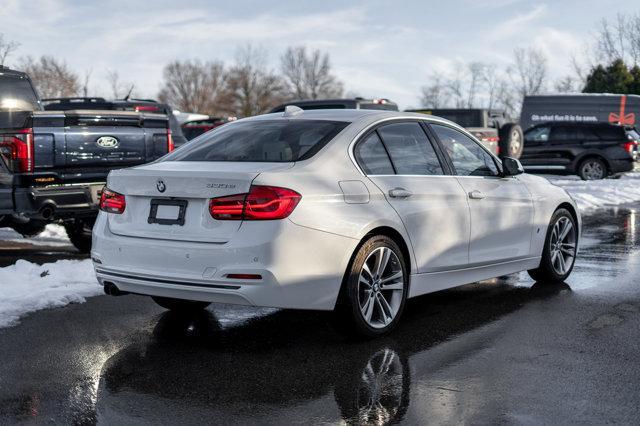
378,48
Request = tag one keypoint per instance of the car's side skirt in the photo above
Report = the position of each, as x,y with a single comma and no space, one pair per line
436,281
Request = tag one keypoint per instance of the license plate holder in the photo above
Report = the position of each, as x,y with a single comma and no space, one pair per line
157,202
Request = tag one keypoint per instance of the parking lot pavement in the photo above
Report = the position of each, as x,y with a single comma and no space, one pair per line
506,350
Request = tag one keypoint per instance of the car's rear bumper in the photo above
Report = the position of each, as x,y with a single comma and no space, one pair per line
58,201
300,268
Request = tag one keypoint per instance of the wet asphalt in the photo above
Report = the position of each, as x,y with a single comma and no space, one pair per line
502,351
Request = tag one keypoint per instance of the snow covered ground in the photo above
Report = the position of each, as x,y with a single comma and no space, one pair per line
602,193
53,235
27,287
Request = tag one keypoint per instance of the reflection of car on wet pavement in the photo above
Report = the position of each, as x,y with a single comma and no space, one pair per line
220,368
235,217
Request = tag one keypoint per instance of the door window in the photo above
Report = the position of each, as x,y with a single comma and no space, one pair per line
467,156
372,156
410,150
537,134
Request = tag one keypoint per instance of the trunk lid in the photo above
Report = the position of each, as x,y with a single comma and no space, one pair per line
193,182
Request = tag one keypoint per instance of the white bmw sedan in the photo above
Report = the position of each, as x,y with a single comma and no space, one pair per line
348,210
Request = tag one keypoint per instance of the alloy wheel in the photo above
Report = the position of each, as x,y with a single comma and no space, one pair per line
380,287
593,170
562,245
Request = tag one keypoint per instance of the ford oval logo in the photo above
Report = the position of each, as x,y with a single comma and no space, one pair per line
161,186
108,142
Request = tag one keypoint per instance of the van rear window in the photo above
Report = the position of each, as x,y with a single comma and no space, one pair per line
260,141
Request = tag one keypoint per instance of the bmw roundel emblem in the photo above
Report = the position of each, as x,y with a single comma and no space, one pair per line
161,186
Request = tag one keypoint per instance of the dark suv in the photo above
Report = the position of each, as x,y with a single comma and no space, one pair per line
351,103
592,151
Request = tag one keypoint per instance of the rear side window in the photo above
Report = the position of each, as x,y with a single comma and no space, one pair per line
410,149
610,133
260,141
17,94
372,156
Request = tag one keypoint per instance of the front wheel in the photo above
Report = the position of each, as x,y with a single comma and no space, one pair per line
375,289
560,246
180,305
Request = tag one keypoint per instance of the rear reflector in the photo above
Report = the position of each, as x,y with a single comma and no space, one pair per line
16,149
244,276
261,203
112,202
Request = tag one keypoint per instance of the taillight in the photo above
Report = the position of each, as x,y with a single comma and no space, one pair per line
148,108
170,145
16,148
630,146
112,202
261,203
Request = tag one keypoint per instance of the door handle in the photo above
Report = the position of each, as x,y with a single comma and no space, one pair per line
400,193
476,195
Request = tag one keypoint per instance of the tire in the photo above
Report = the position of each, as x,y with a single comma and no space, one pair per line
29,229
511,140
384,302
180,305
549,270
592,168
79,233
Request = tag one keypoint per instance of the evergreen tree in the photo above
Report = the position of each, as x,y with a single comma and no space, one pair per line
615,78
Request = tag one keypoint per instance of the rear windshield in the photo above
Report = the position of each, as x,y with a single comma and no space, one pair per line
260,141
17,94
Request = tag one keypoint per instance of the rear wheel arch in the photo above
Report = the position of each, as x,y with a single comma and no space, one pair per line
380,230
589,155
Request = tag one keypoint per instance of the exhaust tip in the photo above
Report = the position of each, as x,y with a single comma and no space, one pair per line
111,289
47,212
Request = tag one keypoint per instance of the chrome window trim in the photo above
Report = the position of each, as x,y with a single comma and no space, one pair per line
428,120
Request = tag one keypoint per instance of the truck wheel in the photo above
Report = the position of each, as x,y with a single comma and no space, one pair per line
511,141
79,232
30,228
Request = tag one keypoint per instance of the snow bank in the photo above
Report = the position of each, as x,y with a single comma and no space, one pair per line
28,287
53,235
600,193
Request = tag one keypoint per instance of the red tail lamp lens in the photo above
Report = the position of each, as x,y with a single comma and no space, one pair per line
112,202
261,203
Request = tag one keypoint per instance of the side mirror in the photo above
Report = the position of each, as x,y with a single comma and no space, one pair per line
511,167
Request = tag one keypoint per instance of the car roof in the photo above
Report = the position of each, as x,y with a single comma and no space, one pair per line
352,115
12,73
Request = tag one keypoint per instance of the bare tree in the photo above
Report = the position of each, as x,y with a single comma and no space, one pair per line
252,87
307,75
119,89
434,94
456,86
567,84
51,76
7,47
195,87
617,39
85,82
528,71
476,71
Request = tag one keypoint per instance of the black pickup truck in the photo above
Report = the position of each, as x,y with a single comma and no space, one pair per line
53,164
